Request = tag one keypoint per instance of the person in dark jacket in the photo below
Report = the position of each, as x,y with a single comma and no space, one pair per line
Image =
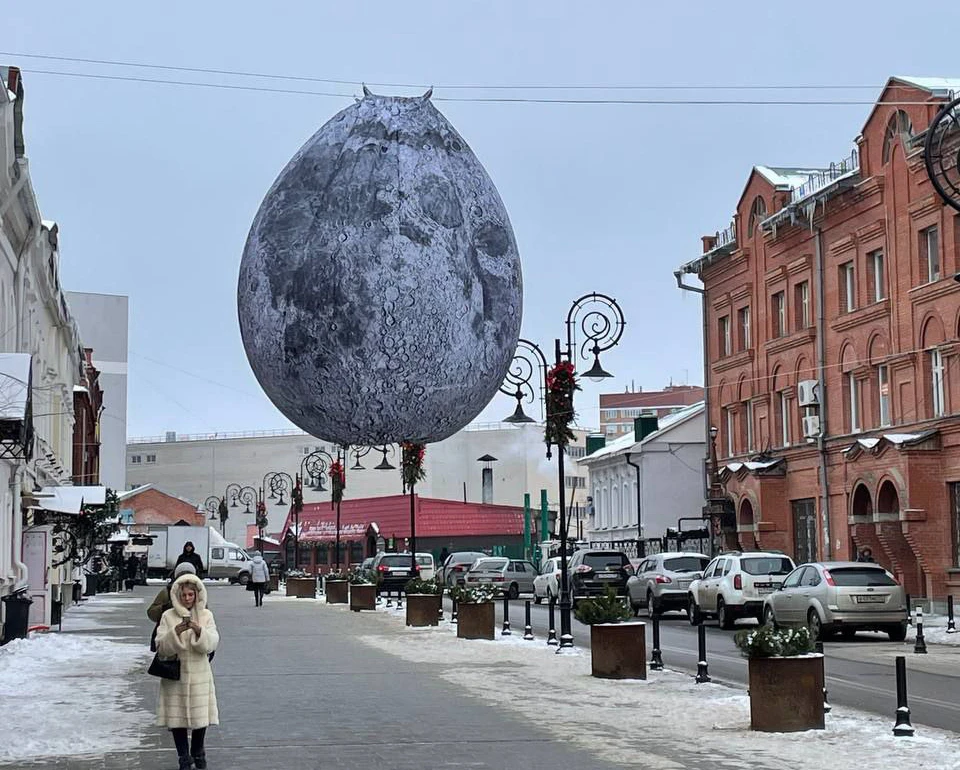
190,555
866,555
133,567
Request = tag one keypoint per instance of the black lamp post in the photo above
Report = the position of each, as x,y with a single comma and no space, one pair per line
598,320
359,452
278,484
218,507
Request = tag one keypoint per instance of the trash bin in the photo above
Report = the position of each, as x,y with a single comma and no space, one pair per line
56,613
17,616
77,591
92,579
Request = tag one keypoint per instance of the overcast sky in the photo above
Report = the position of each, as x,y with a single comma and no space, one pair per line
155,186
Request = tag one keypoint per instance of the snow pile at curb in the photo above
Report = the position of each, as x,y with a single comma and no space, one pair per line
65,695
934,631
664,723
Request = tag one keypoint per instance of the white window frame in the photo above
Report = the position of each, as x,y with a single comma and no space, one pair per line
730,431
938,378
879,284
780,311
854,403
883,395
136,459
725,335
744,317
805,304
748,412
849,287
932,256
784,418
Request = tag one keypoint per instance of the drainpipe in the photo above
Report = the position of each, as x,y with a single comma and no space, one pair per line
821,377
22,574
639,497
706,371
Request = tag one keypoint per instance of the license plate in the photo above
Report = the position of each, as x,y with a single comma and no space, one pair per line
871,599
400,572
606,575
683,583
763,590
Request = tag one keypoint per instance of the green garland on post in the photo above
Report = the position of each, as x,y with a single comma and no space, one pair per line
338,482
561,384
411,463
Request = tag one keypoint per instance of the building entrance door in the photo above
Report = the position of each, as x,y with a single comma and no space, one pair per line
805,529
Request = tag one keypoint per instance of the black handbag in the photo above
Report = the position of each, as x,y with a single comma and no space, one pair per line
250,585
165,668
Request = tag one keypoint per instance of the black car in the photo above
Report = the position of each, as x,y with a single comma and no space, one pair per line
592,571
394,570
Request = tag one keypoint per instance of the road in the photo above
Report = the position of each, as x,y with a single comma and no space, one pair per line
859,673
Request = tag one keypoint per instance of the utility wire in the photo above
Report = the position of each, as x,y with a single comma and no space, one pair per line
542,87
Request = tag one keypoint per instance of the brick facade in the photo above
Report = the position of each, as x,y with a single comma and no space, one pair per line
87,405
151,506
843,276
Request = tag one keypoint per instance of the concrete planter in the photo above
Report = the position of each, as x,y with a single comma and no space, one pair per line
336,591
302,587
786,694
423,609
619,650
475,621
274,583
363,596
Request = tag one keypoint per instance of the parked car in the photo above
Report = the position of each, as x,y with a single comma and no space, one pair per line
366,567
394,570
456,566
735,584
514,576
591,572
427,567
546,585
662,581
840,596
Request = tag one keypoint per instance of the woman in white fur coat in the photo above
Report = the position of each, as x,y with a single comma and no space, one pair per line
187,631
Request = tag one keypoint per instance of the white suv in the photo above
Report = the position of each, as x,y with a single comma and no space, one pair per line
735,584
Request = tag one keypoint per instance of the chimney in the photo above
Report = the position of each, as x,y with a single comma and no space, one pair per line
644,425
594,443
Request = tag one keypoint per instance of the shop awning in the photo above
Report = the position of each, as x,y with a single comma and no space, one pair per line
268,540
70,499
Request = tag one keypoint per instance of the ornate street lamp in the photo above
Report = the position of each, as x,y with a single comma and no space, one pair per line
280,483
594,324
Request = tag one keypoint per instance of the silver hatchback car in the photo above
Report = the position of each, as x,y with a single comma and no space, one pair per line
840,597
662,581
513,576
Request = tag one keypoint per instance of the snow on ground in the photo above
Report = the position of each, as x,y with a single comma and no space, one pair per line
664,723
64,695
934,631
94,613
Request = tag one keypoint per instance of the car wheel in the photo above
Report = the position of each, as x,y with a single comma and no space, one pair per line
769,618
693,613
653,610
537,599
814,625
897,633
243,578
724,616
848,633
514,591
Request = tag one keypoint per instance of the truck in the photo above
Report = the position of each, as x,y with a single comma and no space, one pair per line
221,559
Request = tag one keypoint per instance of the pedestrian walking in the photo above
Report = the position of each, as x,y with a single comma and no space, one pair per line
866,555
133,567
259,577
190,554
188,705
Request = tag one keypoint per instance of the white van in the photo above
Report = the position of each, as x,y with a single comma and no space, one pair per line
228,560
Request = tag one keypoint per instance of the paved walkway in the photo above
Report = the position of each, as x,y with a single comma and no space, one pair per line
295,692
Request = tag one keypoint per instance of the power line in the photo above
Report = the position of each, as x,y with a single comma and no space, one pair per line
753,102
471,86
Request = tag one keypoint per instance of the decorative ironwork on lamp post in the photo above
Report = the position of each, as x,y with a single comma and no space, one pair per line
278,484
594,325
218,507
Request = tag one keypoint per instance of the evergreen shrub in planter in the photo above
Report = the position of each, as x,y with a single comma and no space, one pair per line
618,649
424,600
363,593
300,584
335,587
785,680
475,618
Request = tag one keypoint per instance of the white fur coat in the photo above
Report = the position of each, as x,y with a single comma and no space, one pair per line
192,700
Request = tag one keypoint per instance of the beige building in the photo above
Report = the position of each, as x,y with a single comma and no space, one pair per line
196,467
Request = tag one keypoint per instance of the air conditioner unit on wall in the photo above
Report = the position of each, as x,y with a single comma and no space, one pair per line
811,427
808,393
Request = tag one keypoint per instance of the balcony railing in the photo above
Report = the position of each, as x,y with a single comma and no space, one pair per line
820,179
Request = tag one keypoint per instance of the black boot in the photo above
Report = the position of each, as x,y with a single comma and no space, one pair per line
200,760
186,763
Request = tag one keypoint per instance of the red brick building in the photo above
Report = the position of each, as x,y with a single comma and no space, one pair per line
832,320
87,406
619,410
147,505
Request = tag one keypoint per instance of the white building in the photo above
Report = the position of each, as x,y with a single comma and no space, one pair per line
196,467
664,460
103,322
39,338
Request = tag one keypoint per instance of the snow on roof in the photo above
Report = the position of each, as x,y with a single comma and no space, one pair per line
14,381
628,440
788,177
752,465
70,499
944,86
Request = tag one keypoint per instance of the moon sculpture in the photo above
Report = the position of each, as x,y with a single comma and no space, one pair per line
380,293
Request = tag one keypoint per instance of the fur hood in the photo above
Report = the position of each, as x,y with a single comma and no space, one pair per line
201,603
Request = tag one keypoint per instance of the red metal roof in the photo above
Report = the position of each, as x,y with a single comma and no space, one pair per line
391,517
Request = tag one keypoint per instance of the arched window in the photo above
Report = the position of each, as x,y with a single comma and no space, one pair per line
628,517
898,127
758,212
746,513
888,501
862,504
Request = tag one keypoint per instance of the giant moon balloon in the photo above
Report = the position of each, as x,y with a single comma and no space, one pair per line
380,293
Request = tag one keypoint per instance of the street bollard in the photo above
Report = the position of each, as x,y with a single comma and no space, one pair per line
453,613
902,727
909,611
440,613
702,673
389,600
399,598
827,708
920,646
552,630
527,626
951,626
656,658
506,615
